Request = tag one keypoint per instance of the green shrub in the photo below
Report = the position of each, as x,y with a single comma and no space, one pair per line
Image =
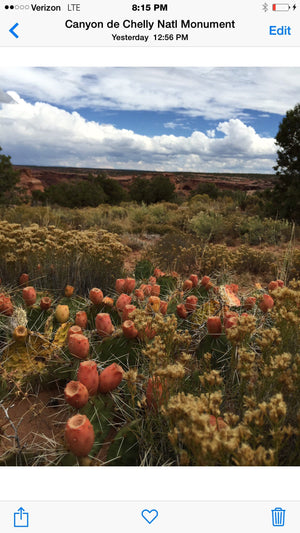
210,189
211,227
157,189
254,230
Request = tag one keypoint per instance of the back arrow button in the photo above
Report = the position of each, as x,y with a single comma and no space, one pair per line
13,32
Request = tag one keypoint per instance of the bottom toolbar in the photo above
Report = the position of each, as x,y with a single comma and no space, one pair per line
158,516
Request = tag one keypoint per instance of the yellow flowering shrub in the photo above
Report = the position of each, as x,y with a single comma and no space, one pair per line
53,255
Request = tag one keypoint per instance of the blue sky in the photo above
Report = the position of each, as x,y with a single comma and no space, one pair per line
181,119
159,123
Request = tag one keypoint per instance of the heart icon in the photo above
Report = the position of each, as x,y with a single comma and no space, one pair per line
149,516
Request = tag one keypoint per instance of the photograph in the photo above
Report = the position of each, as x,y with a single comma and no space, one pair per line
149,266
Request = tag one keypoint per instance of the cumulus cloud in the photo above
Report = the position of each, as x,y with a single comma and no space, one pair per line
213,93
43,134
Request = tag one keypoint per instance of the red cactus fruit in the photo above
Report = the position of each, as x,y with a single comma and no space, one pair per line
120,285
128,309
88,376
214,325
147,290
79,346
231,322
81,319
122,301
163,307
110,378
23,279
233,288
181,311
155,290
158,273
194,279
217,423
20,334
150,332
129,329
154,393
228,316
45,303
76,394
280,283
139,294
9,310
153,304
62,313
6,306
188,285
74,330
69,290
152,280
104,325
191,303
129,285
108,302
79,435
29,296
273,285
96,296
250,302
205,281
213,421
266,303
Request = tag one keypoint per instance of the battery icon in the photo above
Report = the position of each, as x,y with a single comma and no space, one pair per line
280,7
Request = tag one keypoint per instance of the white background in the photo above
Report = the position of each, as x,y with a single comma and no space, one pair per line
149,483
143,57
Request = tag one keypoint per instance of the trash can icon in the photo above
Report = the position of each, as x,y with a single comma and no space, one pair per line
278,516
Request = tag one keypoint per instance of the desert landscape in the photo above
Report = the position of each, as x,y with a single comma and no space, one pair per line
39,178
149,268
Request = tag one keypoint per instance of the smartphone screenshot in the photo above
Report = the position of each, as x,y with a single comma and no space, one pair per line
149,266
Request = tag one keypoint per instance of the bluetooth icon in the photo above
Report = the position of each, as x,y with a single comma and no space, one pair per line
265,7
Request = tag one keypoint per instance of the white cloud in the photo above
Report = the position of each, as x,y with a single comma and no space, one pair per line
176,124
171,125
213,93
211,133
43,134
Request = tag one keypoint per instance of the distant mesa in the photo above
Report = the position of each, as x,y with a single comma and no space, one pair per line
28,182
34,178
